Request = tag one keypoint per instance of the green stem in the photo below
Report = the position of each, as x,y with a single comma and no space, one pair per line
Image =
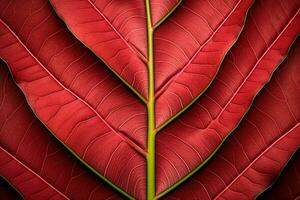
150,109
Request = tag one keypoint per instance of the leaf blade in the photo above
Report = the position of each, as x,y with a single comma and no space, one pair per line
220,110
83,118
257,151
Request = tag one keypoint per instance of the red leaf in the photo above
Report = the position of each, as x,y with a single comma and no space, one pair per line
167,62
32,161
259,148
246,69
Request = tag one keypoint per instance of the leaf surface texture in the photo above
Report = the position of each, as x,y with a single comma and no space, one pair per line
144,93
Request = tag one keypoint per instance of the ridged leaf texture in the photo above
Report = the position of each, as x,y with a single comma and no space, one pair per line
148,99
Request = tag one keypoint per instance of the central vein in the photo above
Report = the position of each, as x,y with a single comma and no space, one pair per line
150,109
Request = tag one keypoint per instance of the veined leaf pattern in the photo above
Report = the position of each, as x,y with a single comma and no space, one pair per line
29,154
81,117
182,53
220,109
118,94
259,148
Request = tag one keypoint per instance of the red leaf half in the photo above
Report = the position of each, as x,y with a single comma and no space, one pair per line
258,150
81,102
248,66
30,158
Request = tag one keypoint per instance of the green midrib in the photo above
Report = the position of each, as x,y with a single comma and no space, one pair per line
150,109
